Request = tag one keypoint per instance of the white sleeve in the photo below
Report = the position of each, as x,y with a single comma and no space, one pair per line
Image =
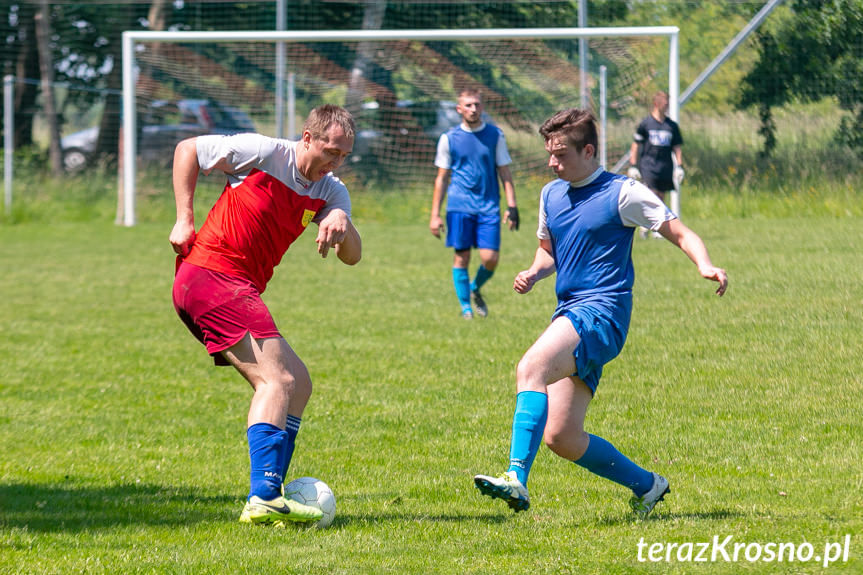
336,197
501,152
442,157
638,206
542,231
231,154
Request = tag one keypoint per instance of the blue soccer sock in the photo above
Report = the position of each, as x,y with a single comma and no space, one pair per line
266,454
461,280
603,459
528,425
292,428
482,276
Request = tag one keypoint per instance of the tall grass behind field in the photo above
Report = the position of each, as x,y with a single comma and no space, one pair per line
758,193
123,448
809,174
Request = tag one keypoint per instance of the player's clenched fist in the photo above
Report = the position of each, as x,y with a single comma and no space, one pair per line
524,281
182,237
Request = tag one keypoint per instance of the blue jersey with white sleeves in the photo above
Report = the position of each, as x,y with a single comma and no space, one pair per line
473,157
590,225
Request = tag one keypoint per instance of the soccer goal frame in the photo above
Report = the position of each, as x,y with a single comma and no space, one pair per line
132,38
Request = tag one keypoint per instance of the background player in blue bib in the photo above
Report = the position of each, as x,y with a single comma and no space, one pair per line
471,158
586,222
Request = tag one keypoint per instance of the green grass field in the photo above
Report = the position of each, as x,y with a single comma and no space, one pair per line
123,448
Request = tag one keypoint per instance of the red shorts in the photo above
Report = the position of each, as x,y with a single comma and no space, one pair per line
220,309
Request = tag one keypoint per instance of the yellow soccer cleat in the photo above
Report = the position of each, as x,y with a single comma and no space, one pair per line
278,510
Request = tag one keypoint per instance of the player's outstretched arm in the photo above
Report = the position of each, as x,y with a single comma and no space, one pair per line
688,241
542,267
185,177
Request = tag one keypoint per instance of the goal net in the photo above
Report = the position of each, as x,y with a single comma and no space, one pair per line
400,85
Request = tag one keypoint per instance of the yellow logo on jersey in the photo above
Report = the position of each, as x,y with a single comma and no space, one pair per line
307,217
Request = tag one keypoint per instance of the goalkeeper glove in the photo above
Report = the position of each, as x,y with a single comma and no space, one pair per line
512,216
678,175
633,173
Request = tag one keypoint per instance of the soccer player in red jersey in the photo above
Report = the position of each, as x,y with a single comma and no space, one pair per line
275,189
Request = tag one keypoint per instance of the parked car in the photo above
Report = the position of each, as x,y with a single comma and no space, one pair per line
78,148
161,126
369,136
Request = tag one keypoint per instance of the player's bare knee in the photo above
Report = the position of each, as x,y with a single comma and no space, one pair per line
529,373
295,386
551,440
523,371
566,443
461,259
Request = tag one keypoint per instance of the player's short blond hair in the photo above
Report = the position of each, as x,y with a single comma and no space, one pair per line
321,118
467,92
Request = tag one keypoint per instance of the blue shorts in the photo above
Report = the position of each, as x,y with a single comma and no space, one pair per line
602,323
466,231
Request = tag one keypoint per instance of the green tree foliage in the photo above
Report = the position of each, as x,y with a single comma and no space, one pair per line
87,44
706,28
20,59
814,53
87,51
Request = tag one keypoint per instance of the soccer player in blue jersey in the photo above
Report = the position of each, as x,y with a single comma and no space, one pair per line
586,222
471,158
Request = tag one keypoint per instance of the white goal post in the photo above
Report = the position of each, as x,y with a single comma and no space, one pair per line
132,39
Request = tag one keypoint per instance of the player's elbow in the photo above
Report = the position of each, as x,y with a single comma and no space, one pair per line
351,260
351,252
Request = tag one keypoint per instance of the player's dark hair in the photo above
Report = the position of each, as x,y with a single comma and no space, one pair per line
576,126
321,118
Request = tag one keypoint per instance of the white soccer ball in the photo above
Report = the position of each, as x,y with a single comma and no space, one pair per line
315,493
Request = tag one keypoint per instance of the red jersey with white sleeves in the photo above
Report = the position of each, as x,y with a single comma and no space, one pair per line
265,206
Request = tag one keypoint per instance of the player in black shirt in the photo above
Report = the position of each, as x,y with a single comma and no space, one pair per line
659,137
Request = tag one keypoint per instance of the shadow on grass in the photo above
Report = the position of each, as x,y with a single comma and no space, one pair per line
346,519
40,507
659,516
48,508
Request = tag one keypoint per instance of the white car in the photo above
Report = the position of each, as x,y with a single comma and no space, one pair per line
162,126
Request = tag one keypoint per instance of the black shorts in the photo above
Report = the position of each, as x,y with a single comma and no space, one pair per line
657,184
